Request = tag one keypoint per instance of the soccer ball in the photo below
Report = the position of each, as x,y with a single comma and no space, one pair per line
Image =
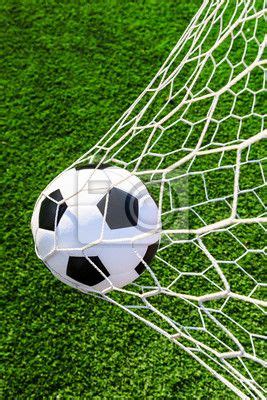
96,228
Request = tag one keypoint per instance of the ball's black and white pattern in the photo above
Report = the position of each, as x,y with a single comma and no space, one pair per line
96,229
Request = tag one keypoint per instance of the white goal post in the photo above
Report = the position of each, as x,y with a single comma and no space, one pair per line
195,136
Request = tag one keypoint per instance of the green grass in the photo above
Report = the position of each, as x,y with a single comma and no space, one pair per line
70,69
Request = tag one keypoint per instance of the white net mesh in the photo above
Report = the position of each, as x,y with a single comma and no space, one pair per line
195,136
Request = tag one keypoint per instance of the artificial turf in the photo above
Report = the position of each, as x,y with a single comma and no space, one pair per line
69,70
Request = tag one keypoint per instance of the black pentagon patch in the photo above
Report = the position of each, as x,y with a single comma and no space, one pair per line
82,270
151,251
122,209
48,211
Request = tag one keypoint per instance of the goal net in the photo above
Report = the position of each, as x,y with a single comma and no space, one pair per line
195,137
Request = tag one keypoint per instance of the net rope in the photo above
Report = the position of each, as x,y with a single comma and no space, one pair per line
195,137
